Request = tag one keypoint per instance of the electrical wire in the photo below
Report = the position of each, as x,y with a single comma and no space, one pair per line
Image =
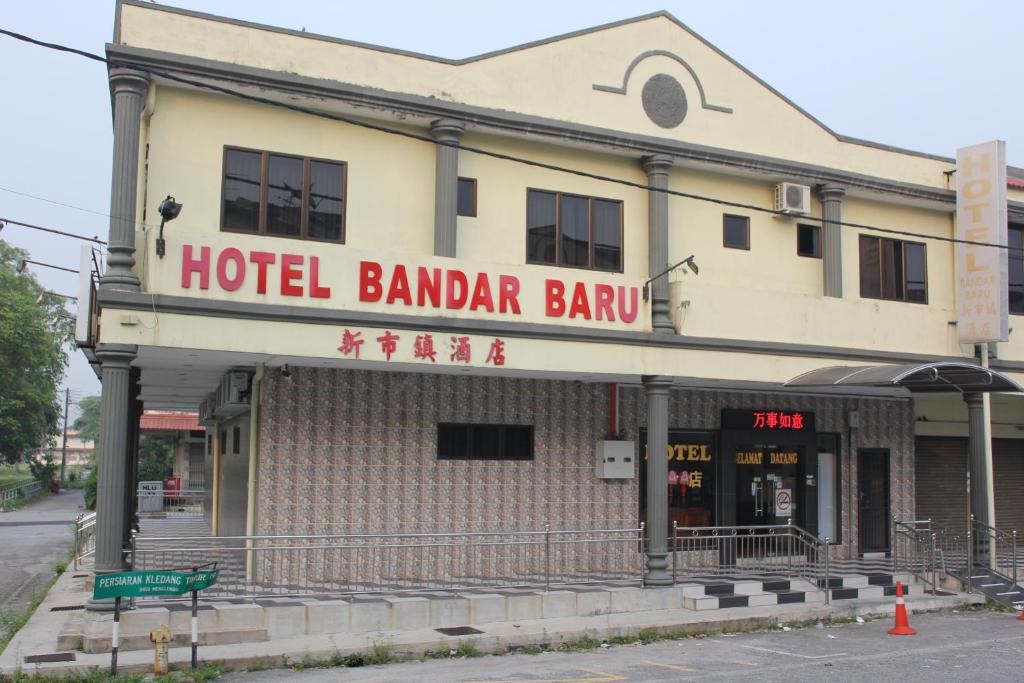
53,230
54,201
472,149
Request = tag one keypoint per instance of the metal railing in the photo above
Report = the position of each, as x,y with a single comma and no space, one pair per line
85,537
15,493
782,550
916,550
995,548
258,566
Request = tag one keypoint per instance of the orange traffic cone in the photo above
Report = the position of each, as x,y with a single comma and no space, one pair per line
902,626
1020,617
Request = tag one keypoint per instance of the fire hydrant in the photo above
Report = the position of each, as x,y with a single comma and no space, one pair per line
161,637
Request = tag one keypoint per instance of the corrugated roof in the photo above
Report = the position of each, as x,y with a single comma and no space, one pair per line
1015,182
155,421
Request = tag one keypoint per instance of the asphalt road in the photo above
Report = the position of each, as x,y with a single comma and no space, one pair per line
32,540
974,646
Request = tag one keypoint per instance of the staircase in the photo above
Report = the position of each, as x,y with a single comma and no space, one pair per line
996,586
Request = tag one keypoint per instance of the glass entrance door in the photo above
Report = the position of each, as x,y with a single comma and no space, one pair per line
767,479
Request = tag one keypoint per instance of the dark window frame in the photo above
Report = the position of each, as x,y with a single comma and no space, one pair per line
1011,256
590,231
502,430
817,242
236,438
881,269
264,171
746,223
472,182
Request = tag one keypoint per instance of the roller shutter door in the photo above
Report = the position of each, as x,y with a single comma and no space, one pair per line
940,481
1008,467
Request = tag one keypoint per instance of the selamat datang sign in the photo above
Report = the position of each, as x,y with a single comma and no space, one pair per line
982,273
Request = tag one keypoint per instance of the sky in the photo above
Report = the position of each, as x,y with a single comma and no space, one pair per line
928,76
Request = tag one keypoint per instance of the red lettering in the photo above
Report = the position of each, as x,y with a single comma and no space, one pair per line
230,254
580,305
190,265
427,287
262,259
289,274
554,298
453,300
370,274
627,315
508,293
603,307
482,294
315,290
399,288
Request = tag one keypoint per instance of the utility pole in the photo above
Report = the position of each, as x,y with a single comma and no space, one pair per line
64,448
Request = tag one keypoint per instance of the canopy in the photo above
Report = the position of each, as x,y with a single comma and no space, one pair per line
942,377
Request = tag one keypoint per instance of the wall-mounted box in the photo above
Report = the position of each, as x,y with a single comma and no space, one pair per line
615,459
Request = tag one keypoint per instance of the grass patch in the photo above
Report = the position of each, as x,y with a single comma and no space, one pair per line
380,653
583,644
650,635
468,648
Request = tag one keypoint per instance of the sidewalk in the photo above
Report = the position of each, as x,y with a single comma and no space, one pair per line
38,637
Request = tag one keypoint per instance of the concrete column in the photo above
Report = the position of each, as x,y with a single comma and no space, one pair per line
832,238
657,168
115,412
447,132
657,387
128,89
976,457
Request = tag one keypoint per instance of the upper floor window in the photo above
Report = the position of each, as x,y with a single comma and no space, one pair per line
275,194
484,442
808,241
893,269
572,230
1016,259
466,198
736,231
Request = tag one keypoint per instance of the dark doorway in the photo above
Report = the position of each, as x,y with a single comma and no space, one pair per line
873,497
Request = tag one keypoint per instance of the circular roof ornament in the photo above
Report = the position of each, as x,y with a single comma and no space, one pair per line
664,100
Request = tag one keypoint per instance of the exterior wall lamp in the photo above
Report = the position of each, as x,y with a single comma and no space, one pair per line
688,262
168,210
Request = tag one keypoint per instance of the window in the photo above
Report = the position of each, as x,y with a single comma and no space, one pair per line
484,442
1016,259
736,232
286,196
808,241
467,197
236,440
893,269
571,230
829,489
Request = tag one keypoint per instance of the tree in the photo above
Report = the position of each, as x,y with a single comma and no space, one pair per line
87,424
34,333
156,457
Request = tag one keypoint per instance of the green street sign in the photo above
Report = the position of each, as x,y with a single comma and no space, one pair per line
138,584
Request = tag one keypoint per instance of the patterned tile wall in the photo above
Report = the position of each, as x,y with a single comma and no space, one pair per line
355,451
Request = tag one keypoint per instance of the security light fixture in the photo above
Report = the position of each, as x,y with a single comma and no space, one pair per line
688,262
286,371
168,210
22,265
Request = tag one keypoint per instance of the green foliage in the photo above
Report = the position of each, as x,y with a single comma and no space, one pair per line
468,648
156,457
43,469
87,424
380,653
33,337
90,488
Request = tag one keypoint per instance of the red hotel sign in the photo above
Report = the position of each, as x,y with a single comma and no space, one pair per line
418,287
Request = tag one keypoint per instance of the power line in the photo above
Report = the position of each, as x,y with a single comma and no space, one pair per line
4,221
471,149
54,201
25,261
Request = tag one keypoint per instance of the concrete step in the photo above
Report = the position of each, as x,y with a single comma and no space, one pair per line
139,641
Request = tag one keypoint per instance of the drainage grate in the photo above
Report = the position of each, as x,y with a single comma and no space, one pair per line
55,657
79,576
67,608
458,630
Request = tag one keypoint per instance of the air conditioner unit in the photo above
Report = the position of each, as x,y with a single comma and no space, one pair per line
232,395
792,199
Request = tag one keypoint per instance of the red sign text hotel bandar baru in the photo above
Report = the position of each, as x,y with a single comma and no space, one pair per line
435,288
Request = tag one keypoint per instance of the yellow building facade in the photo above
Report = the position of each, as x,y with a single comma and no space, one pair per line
418,294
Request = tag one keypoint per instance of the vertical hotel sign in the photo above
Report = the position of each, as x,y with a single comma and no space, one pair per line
982,294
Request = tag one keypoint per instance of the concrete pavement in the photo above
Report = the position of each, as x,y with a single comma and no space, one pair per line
975,646
34,539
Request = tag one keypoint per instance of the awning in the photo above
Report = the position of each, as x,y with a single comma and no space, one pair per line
157,421
943,377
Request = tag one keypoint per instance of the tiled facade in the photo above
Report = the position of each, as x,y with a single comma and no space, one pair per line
348,451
